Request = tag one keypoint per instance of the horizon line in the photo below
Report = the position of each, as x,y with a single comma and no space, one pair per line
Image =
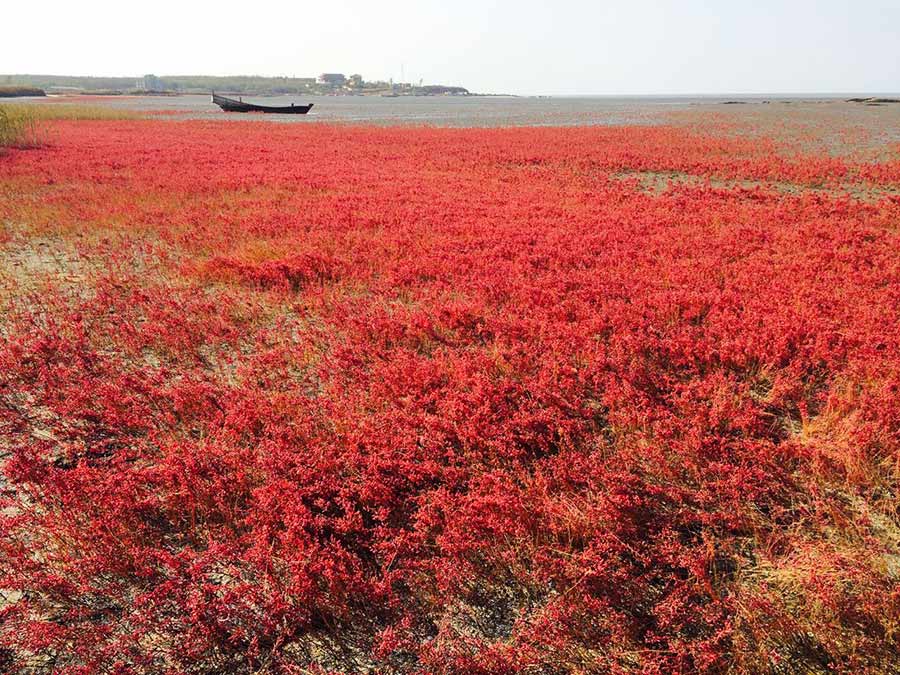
643,94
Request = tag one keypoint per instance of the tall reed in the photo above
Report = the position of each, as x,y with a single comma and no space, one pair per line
71,111
22,124
18,127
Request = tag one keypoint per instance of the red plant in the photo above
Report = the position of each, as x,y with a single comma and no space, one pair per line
300,398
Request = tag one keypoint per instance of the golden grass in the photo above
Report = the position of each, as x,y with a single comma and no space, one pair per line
18,127
20,123
67,111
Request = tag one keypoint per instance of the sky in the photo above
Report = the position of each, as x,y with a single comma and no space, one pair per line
555,47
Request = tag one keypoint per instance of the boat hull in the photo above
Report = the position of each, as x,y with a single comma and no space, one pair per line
231,105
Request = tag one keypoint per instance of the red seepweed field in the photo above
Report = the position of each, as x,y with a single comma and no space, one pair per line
336,399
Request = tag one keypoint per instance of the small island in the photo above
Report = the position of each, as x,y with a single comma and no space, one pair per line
18,91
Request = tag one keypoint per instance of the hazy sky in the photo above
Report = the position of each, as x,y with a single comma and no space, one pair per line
514,46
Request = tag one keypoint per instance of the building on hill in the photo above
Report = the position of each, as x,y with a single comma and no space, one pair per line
333,79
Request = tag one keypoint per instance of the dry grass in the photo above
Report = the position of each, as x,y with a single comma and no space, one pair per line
67,111
17,127
20,123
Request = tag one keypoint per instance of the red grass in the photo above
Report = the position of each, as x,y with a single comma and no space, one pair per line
447,401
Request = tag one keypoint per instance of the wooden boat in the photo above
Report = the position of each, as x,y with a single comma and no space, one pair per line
231,105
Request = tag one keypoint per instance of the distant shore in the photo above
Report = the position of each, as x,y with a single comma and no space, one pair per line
334,84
